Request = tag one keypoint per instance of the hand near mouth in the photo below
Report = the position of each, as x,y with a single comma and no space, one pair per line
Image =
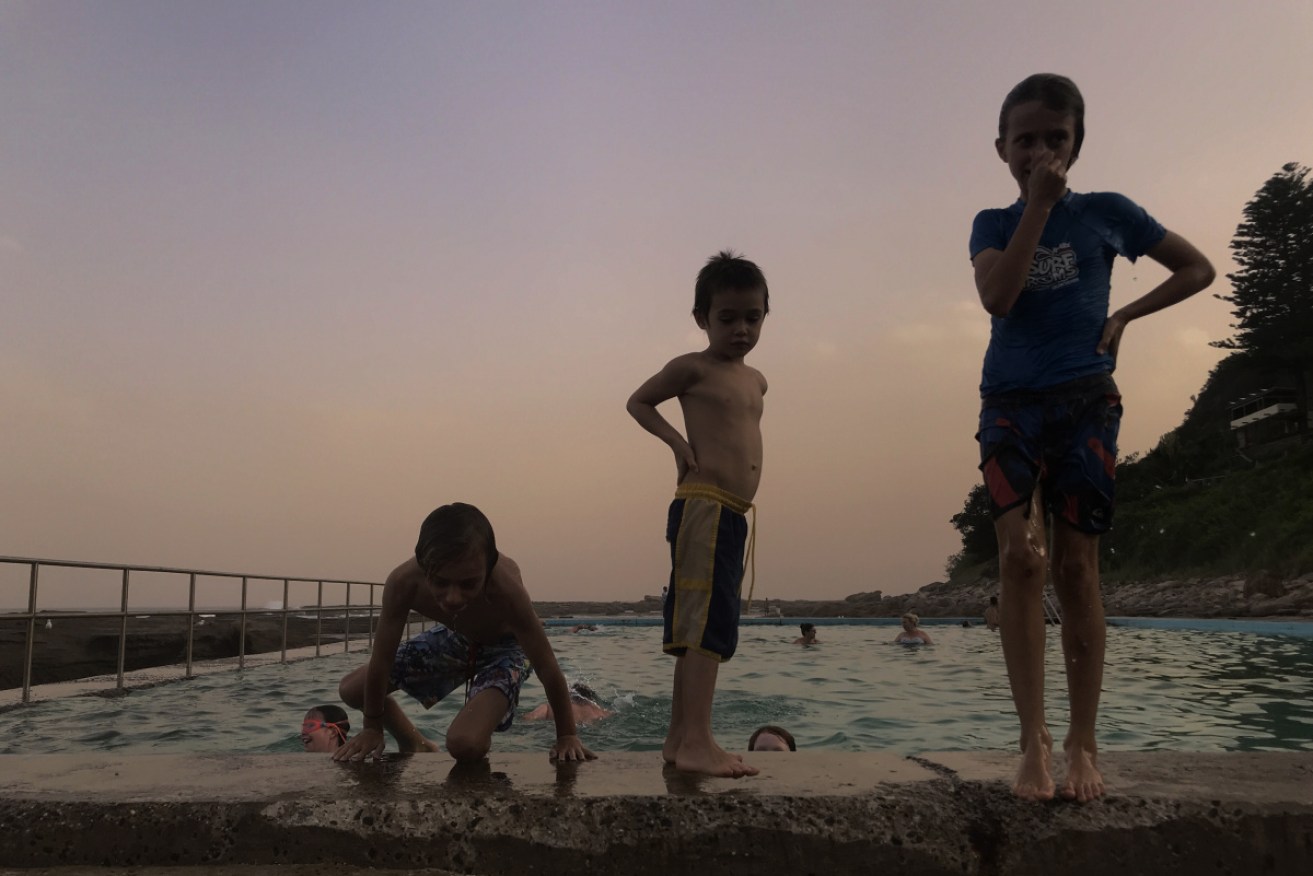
1047,181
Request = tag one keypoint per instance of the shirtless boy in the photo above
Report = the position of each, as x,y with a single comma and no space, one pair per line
486,639
718,468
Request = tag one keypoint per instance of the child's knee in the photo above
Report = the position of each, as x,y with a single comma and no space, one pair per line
1076,575
465,746
1020,564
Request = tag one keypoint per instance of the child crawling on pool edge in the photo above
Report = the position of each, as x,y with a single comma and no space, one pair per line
486,639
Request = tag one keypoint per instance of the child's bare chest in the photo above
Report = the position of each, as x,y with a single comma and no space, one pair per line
736,393
479,621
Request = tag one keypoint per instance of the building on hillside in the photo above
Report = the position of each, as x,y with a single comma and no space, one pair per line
1265,418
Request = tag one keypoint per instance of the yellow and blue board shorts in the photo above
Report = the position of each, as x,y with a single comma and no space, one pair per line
708,530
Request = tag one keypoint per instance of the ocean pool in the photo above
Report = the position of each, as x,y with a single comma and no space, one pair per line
1179,690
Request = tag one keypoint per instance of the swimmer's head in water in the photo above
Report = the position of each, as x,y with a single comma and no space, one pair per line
912,617
770,738
325,728
807,628
582,693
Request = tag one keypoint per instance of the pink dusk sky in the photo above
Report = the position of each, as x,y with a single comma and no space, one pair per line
278,278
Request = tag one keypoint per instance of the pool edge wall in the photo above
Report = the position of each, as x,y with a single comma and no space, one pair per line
815,811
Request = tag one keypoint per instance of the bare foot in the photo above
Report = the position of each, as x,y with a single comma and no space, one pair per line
1084,781
1034,782
712,761
670,748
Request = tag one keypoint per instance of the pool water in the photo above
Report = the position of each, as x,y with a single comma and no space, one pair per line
1180,690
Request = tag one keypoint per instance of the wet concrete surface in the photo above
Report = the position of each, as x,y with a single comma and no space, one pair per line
809,812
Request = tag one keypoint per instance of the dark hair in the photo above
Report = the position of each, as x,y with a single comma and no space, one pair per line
723,271
581,691
450,533
334,715
1057,93
337,716
774,731
806,628
993,600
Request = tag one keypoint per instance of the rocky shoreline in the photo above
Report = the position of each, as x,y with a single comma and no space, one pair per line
80,647
75,647
1244,596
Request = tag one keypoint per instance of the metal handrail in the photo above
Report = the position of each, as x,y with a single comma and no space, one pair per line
34,564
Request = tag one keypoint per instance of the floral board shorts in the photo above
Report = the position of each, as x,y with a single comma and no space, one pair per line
436,662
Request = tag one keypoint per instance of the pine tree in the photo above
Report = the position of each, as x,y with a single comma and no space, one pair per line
974,522
1273,291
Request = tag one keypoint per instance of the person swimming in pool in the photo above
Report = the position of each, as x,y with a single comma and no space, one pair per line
771,738
324,729
912,634
584,704
808,636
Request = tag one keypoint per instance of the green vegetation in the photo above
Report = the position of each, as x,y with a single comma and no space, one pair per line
1198,504
1273,290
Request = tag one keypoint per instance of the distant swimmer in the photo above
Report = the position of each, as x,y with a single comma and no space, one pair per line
584,704
912,634
991,613
772,738
808,636
584,628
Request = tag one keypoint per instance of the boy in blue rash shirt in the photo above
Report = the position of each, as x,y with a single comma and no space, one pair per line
1050,409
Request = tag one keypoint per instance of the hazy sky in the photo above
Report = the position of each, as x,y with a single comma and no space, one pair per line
279,278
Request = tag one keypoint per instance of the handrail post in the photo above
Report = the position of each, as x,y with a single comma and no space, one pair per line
31,634
241,628
191,618
283,659
123,625
319,617
346,622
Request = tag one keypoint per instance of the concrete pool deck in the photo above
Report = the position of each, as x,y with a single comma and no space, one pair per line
809,812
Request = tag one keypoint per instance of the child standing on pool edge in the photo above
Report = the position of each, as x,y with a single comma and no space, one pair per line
718,469
1050,410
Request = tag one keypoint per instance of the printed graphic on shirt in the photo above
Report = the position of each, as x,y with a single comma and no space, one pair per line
1053,268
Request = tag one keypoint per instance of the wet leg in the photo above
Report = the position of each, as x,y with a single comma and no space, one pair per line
1022,565
698,751
676,732
469,738
1076,579
395,721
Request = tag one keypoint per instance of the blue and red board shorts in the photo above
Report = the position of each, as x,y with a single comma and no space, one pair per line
1063,438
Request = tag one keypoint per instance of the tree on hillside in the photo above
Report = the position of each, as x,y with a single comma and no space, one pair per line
1273,291
979,543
